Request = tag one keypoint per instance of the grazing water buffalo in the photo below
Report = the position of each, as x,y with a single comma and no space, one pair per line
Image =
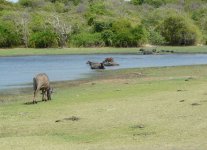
41,82
95,65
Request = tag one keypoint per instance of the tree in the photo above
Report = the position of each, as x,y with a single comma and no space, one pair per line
25,29
178,30
61,27
43,39
87,40
8,35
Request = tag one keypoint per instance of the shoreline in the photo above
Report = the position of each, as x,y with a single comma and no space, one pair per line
108,74
12,52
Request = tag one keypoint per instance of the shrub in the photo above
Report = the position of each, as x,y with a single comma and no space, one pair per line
178,30
140,35
127,36
32,3
107,36
85,39
26,3
137,2
98,8
43,39
123,39
101,26
156,38
8,35
155,3
121,25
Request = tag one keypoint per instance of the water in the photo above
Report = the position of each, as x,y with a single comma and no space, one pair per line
16,71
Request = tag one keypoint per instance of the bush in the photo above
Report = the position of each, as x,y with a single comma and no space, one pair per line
107,36
43,39
123,39
32,3
87,40
121,25
26,3
8,35
101,26
178,30
137,2
155,3
98,8
156,38
127,36
140,35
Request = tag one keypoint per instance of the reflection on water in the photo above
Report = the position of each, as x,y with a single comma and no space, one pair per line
15,71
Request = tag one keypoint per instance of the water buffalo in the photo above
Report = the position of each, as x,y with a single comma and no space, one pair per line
95,65
41,83
92,63
109,59
110,62
148,51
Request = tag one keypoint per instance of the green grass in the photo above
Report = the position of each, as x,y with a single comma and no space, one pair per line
58,51
123,109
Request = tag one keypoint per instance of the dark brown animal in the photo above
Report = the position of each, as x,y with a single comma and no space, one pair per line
110,62
109,59
41,83
95,65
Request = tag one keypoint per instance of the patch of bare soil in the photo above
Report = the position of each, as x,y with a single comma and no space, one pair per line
195,104
73,118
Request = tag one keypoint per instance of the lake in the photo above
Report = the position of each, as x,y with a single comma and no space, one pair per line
16,71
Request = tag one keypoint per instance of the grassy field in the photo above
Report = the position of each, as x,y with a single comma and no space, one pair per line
56,51
154,108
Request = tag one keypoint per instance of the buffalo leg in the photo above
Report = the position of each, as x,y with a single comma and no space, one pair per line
34,100
43,95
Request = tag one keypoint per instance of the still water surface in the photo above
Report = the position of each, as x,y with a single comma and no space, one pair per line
15,71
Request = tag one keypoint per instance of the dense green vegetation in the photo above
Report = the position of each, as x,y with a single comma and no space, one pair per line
100,23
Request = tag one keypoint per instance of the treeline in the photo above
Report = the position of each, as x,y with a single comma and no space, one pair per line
99,23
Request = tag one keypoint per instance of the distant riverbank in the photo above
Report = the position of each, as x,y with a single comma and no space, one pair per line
105,50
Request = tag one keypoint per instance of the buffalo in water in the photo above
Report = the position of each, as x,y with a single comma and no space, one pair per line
95,65
148,51
41,83
109,62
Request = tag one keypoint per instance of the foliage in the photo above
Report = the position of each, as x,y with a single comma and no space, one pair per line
115,23
97,8
137,2
155,38
101,26
8,35
140,35
107,36
43,39
75,2
127,36
32,3
26,3
155,3
87,40
5,5
178,30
